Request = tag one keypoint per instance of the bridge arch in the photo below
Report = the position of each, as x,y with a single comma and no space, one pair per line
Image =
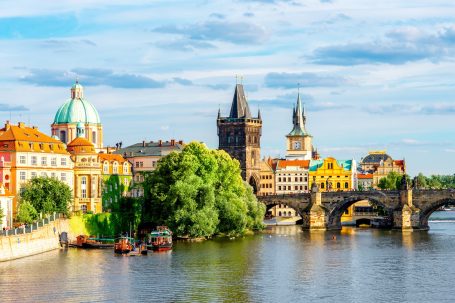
334,216
432,207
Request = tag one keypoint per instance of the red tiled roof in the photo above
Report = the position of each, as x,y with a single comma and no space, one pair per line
111,157
299,163
364,176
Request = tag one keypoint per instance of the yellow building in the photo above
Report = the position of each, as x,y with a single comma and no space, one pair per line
332,175
267,176
87,174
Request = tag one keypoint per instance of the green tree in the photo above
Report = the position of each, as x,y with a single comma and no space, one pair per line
26,213
421,181
200,192
392,181
125,214
1,213
47,195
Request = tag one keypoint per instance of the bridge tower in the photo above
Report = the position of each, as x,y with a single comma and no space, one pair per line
239,135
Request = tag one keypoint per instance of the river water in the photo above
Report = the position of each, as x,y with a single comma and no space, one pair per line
283,264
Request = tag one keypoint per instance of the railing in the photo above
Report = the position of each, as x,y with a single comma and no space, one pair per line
30,228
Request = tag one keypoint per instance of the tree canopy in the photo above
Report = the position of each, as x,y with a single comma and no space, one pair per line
47,195
434,181
392,181
26,213
200,192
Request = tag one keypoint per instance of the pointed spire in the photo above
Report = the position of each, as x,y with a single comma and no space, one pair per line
219,111
298,117
259,113
239,108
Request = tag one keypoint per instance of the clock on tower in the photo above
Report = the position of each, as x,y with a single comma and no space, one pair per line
297,145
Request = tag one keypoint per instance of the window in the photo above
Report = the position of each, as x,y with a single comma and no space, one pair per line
330,165
84,187
53,161
63,177
43,174
63,161
279,179
52,175
22,176
137,164
338,185
84,208
106,167
289,179
279,187
34,161
33,174
125,167
44,161
63,136
322,185
115,168
154,164
346,185
22,160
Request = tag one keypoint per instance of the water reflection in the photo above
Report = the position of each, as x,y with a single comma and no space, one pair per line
282,264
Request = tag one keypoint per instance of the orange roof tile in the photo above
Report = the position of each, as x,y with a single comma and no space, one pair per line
81,146
111,157
364,176
300,163
21,138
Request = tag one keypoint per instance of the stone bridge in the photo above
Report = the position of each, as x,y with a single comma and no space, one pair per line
408,208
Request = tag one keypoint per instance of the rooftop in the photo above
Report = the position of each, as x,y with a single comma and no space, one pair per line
144,149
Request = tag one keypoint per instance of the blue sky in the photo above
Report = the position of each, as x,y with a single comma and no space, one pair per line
374,74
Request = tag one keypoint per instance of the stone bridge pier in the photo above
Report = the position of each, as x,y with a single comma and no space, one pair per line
408,209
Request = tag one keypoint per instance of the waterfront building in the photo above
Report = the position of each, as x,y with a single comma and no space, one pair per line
6,205
25,153
74,111
116,175
292,176
380,164
364,181
144,157
87,173
267,176
299,144
332,175
239,135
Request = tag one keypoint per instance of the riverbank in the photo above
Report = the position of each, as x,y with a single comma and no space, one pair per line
45,238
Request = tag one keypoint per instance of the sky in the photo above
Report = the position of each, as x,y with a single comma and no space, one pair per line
374,75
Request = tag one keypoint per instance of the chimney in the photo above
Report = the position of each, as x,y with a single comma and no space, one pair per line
172,142
7,125
143,143
181,142
160,142
21,125
35,127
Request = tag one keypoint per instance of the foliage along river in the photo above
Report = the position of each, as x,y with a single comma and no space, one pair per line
283,264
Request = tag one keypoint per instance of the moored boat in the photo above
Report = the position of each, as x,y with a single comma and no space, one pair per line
92,242
123,245
160,239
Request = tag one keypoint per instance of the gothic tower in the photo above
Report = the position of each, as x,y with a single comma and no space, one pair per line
299,141
240,136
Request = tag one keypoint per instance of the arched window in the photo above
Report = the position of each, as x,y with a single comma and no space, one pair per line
63,136
289,214
322,185
346,185
115,168
125,167
338,185
105,167
279,214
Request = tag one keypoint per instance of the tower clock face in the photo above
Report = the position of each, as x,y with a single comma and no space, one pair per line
297,145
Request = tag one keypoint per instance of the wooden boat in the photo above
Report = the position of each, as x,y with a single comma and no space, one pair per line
160,239
123,245
92,242
138,250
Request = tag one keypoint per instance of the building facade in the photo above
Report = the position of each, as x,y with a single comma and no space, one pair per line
72,113
144,157
6,206
239,135
87,174
26,153
291,176
116,176
332,175
267,176
380,164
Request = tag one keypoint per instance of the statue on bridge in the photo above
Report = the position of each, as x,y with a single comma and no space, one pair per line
314,187
404,183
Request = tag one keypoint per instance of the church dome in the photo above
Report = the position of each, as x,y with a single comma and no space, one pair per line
77,109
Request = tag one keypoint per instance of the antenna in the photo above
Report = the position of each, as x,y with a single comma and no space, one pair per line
236,79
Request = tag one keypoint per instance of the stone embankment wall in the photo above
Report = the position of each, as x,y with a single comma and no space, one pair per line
44,239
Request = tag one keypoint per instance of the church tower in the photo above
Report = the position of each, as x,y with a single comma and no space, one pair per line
240,136
299,141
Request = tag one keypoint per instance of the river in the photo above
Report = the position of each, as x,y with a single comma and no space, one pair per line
283,264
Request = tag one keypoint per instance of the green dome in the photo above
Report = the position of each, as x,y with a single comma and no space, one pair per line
77,109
